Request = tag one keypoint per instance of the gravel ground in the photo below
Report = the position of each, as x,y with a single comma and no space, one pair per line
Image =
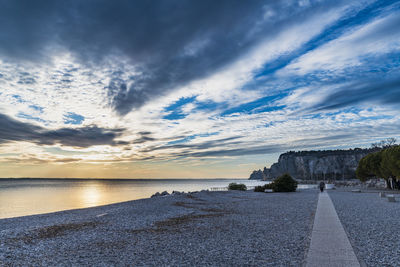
205,228
372,224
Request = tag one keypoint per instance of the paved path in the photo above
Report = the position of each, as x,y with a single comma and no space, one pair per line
329,243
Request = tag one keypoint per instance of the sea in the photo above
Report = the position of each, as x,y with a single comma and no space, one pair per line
21,197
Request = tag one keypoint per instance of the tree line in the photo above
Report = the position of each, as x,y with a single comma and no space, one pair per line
382,164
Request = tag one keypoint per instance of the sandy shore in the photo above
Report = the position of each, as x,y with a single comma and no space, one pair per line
205,228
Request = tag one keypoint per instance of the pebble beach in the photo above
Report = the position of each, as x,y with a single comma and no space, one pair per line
231,228
205,228
372,225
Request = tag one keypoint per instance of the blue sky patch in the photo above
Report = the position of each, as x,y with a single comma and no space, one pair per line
263,104
191,137
73,118
18,98
37,108
175,110
182,140
175,115
180,103
208,105
29,117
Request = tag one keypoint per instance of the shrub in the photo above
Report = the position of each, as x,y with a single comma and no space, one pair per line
235,186
284,183
269,186
261,188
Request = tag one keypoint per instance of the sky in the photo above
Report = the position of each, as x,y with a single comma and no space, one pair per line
191,89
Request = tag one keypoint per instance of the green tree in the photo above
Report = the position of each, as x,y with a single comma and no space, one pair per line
384,164
374,164
391,162
396,161
362,170
369,166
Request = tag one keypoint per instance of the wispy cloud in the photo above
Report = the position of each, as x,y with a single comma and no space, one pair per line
379,92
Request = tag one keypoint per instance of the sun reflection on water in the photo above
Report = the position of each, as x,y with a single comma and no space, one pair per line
91,195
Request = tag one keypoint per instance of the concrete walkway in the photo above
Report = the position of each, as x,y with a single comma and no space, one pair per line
329,243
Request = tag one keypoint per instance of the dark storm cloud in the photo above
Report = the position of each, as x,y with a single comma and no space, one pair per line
13,130
171,42
385,92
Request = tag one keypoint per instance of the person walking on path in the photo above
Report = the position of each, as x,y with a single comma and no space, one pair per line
321,186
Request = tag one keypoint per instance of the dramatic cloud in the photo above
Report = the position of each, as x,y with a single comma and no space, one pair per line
13,130
147,88
169,43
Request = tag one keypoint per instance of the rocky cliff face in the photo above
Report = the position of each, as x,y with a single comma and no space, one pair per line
317,165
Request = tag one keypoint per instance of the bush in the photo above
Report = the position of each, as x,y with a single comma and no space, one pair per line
235,186
261,188
284,183
269,186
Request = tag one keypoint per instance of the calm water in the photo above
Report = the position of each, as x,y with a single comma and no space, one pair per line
19,197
